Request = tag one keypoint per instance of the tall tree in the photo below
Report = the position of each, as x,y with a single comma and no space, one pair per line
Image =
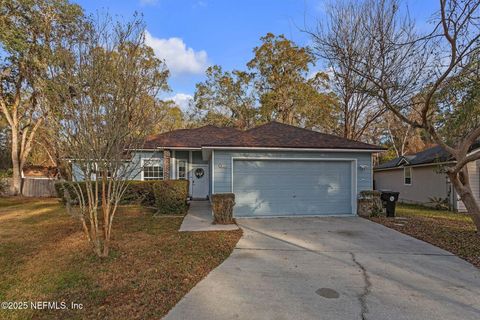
227,98
402,138
5,159
287,91
99,102
30,32
170,116
406,71
277,85
458,104
337,42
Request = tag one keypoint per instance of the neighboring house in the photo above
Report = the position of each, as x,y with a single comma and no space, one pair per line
274,169
421,177
39,172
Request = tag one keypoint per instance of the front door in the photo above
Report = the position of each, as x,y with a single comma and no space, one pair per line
199,181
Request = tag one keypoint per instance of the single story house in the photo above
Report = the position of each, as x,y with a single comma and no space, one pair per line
274,169
421,177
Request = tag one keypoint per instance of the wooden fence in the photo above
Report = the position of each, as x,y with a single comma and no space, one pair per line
37,187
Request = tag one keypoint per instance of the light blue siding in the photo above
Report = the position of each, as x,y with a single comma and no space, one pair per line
134,167
295,177
136,162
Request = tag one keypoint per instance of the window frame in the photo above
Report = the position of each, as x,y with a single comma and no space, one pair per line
143,160
410,170
178,169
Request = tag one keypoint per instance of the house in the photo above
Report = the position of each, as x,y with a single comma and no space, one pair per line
421,177
274,169
39,172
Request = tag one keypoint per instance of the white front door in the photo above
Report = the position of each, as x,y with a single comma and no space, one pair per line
199,181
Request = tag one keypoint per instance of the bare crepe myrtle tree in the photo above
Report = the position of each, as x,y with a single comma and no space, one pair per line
407,72
337,41
97,100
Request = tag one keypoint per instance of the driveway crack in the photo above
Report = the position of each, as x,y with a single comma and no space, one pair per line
362,298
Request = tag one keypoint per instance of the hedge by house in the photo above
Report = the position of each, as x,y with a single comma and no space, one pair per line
370,204
168,196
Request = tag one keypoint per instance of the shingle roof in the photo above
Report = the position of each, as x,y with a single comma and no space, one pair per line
189,138
279,135
431,155
270,135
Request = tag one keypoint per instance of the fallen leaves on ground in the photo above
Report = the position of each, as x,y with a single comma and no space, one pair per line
44,257
454,232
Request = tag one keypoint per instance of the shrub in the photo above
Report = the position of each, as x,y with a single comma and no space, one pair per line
67,189
171,196
369,194
222,206
168,196
439,203
3,183
7,173
140,192
370,204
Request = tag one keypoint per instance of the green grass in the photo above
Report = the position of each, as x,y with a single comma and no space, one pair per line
411,210
45,257
452,231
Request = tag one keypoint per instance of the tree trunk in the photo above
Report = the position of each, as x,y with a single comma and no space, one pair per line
106,249
17,181
465,193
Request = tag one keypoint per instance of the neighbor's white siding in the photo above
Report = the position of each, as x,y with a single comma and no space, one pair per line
474,174
427,182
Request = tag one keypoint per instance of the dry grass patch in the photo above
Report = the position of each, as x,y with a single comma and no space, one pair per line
43,256
454,232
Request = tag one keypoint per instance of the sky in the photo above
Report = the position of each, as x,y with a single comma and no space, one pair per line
191,35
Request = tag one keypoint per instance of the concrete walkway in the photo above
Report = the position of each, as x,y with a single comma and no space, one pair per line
333,268
199,218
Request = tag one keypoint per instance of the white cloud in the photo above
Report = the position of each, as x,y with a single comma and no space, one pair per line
183,100
179,58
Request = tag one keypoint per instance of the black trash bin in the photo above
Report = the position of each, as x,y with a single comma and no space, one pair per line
389,199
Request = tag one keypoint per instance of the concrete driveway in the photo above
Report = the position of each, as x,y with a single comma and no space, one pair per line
333,268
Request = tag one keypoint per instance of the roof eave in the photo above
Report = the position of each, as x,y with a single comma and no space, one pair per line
369,150
425,164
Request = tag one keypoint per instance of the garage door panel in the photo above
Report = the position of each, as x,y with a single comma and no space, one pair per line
272,187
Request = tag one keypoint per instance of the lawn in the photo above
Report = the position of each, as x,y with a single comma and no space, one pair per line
454,232
44,257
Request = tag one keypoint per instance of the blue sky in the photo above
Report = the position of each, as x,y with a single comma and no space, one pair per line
193,34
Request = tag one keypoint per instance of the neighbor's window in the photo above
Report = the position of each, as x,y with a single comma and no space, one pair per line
407,175
182,169
153,169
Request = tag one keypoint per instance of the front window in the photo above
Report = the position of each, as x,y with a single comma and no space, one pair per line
182,169
407,175
152,169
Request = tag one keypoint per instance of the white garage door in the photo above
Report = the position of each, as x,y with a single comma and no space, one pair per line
292,187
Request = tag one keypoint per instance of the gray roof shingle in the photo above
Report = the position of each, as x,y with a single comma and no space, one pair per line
431,155
269,135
